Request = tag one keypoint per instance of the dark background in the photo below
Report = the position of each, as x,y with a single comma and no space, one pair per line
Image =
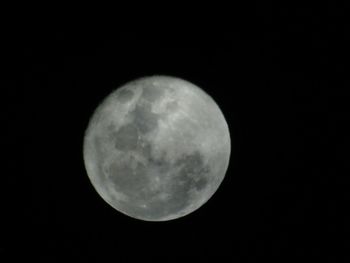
279,77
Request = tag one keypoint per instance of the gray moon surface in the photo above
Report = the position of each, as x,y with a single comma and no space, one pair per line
157,148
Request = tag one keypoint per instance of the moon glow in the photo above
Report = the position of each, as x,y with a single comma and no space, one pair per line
157,148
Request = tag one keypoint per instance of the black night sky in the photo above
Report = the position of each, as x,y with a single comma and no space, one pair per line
279,80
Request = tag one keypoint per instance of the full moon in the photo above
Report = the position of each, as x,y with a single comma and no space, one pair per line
157,148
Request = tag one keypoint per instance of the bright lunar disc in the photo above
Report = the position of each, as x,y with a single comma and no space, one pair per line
157,148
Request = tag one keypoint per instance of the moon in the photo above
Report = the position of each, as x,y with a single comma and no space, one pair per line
157,148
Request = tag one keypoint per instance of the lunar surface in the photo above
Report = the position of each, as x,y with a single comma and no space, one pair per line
157,148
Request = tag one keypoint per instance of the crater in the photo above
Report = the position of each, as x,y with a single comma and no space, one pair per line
144,118
201,183
100,158
152,93
128,176
162,164
171,106
126,137
193,172
124,95
153,209
192,163
178,196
